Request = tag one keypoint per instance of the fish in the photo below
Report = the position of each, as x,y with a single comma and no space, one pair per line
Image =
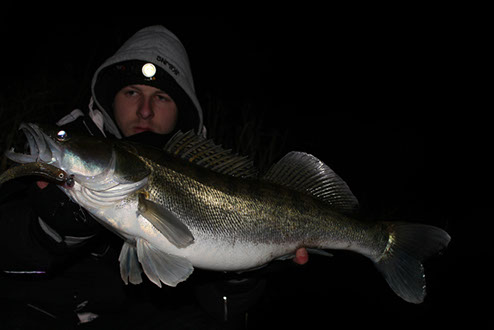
194,204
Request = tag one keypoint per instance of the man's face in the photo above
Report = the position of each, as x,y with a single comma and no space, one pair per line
140,108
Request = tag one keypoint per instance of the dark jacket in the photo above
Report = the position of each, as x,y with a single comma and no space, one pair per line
52,253
43,225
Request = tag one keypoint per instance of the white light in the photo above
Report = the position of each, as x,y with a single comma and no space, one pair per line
148,70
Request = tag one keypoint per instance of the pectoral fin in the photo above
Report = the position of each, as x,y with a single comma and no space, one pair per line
166,222
162,267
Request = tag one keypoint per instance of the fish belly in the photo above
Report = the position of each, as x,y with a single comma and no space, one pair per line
212,254
206,252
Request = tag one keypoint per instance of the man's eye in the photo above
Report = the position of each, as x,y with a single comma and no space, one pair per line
130,93
164,98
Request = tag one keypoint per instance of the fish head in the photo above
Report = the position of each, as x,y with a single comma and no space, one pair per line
93,162
77,154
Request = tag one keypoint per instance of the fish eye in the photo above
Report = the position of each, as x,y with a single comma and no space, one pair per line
62,136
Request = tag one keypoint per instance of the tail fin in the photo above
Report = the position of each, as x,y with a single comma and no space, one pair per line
401,262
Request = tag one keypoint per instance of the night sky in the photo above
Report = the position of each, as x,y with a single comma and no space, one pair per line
381,104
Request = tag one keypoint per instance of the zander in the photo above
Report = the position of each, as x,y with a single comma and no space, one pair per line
194,204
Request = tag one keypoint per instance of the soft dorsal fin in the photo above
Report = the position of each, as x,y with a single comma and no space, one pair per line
205,153
305,173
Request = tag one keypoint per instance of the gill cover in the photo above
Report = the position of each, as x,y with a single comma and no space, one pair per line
100,164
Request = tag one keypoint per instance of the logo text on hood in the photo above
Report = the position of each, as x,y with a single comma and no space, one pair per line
168,64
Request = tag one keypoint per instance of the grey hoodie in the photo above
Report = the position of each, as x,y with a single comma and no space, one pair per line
154,44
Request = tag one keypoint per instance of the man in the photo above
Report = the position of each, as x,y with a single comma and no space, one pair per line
144,92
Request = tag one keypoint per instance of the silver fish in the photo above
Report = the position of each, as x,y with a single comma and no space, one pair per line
197,205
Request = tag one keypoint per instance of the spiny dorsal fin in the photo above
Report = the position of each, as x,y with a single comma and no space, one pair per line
205,153
305,173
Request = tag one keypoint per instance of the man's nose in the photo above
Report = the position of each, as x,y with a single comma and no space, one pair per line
145,110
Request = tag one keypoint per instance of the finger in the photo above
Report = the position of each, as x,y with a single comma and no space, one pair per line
301,256
42,184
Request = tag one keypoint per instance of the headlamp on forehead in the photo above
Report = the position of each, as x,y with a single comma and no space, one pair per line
149,70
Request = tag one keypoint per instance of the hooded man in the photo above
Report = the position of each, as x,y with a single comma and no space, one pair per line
155,65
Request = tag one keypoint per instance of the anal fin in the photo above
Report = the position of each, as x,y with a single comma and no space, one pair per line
162,267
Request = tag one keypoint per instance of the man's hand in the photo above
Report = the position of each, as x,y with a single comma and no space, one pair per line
301,256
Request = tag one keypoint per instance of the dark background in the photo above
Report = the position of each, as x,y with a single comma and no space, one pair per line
387,105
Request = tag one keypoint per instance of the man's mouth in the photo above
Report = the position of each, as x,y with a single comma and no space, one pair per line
139,129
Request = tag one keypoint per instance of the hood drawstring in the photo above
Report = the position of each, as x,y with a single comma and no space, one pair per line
72,116
99,121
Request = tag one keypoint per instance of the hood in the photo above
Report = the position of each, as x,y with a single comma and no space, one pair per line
157,45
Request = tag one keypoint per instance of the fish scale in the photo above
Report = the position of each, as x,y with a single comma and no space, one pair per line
251,212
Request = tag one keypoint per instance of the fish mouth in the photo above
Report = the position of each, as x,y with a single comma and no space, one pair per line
38,147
